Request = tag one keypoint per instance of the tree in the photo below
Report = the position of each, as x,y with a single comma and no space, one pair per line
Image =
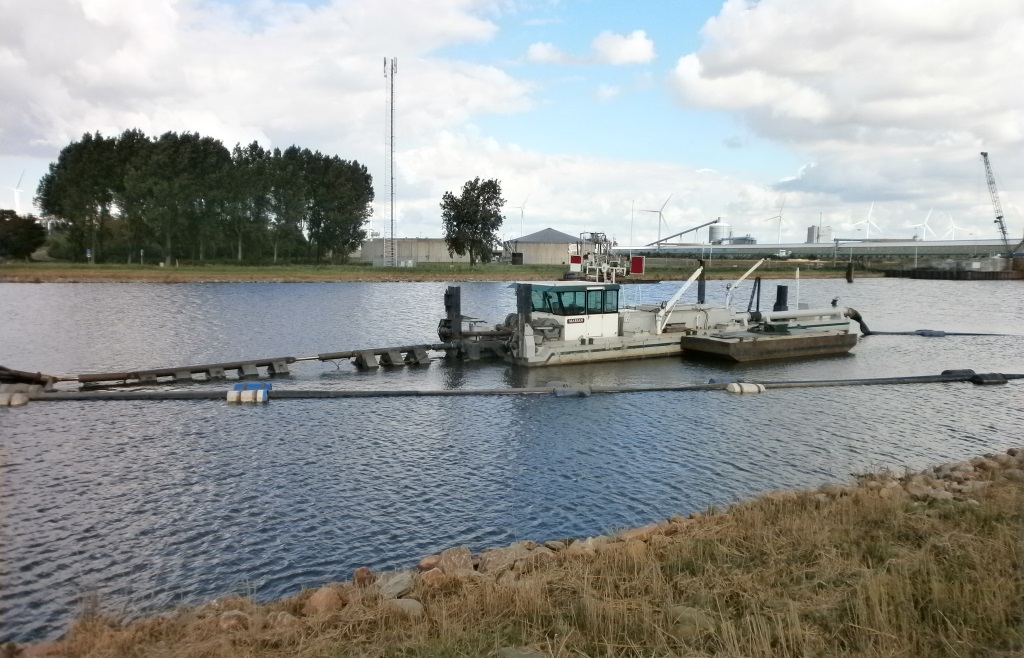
248,192
287,198
471,220
338,196
19,236
79,190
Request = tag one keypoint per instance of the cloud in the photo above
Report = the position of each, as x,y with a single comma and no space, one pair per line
276,71
608,47
887,101
863,72
546,53
575,193
606,92
634,48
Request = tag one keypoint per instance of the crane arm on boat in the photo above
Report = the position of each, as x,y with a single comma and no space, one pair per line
728,296
666,312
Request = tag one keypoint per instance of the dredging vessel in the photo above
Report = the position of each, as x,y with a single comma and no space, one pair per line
558,322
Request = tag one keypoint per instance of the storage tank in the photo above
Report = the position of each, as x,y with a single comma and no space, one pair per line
719,232
816,234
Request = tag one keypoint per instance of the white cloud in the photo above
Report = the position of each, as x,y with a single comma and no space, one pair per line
890,101
608,47
633,48
575,193
280,72
606,92
546,53
921,72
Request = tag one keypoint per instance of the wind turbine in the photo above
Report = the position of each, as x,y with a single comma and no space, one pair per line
661,218
953,228
869,223
779,217
17,191
521,209
924,233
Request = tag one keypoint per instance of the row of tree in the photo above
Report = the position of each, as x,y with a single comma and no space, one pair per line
187,196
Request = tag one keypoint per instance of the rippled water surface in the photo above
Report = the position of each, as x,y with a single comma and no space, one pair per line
152,504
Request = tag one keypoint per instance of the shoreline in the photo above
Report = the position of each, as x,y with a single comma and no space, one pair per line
923,563
51,272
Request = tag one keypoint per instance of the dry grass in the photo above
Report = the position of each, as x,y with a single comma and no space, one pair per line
790,575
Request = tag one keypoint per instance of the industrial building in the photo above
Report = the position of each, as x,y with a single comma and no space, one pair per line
838,249
408,252
545,247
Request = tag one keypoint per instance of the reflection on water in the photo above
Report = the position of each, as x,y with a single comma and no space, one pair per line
152,504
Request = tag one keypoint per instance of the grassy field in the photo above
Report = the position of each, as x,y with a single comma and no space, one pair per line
665,269
894,565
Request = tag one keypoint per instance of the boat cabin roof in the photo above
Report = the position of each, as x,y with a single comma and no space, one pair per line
568,286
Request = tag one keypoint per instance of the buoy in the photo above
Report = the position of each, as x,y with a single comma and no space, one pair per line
981,379
18,399
744,387
250,392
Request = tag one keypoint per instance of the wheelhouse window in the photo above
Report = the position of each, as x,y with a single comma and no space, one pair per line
574,302
611,301
541,300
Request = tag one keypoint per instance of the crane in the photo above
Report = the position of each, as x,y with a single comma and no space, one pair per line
676,235
994,193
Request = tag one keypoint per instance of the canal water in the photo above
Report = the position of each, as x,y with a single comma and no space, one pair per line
149,505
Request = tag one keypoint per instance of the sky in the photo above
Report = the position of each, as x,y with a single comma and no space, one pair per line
591,113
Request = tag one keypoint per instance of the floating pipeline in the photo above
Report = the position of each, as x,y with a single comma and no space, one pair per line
928,333
559,389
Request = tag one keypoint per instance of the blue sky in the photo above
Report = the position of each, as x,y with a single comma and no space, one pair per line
587,108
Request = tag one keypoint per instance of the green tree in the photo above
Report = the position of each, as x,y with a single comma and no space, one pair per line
19,236
338,195
131,150
471,220
180,183
79,190
287,198
248,193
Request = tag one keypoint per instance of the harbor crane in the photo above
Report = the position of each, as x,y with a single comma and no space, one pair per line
994,193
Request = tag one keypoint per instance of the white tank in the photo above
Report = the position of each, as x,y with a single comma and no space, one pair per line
718,232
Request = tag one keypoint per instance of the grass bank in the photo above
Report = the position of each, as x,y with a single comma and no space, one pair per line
910,564
61,272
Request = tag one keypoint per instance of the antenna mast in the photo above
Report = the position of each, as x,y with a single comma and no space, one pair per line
390,69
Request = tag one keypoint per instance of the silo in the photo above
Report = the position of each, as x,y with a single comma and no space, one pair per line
719,232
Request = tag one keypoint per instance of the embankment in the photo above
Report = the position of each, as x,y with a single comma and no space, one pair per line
893,564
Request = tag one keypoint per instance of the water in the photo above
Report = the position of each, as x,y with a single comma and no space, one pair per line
154,504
